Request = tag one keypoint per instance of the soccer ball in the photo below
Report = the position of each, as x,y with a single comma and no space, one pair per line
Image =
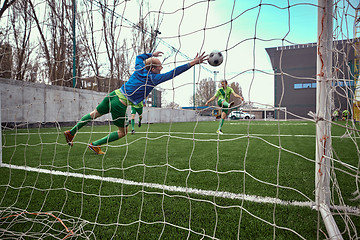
215,58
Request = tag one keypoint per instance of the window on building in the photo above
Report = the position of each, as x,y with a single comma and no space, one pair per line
304,85
298,85
343,83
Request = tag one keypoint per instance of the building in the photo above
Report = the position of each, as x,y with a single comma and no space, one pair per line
295,77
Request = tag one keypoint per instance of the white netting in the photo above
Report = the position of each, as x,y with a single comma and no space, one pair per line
176,178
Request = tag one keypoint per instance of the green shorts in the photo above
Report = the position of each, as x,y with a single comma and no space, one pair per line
135,110
111,104
221,103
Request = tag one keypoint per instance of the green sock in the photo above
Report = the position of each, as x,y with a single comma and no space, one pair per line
109,138
221,123
83,121
133,124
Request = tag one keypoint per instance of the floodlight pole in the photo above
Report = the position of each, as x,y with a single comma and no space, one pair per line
215,74
323,117
194,98
74,43
0,134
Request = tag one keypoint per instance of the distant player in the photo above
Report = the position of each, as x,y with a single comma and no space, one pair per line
345,114
223,95
135,90
139,110
336,115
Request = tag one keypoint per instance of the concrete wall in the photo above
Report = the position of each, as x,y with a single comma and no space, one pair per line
24,102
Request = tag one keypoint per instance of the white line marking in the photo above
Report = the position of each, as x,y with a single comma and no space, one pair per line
228,195
191,133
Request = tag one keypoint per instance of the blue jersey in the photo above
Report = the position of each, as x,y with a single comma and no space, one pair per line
142,81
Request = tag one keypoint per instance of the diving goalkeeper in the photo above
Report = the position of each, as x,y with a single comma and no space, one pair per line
146,76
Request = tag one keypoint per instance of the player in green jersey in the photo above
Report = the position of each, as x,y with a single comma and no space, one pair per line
223,95
138,108
345,114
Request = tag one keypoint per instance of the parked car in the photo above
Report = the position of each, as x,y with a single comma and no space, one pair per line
240,115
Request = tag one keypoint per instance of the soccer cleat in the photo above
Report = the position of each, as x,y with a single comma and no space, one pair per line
219,132
69,138
231,104
95,149
132,132
139,124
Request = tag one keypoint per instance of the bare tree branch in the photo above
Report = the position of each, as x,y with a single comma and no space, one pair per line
5,6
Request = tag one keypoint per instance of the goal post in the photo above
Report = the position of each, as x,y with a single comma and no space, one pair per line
323,117
0,133
356,102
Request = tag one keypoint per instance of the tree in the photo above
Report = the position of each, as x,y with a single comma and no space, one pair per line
120,51
21,23
238,90
52,40
57,48
90,45
5,6
173,105
204,91
5,60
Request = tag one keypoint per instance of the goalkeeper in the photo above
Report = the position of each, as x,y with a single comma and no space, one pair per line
139,110
146,76
223,95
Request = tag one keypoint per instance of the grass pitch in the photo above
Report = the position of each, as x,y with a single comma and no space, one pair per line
162,182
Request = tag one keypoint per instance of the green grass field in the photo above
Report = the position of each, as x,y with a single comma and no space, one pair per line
253,158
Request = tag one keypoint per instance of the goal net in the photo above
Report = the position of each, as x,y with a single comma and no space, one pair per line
288,169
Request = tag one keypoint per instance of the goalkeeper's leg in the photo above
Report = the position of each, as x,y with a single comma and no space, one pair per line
70,134
101,109
118,113
140,111
132,123
140,118
95,146
84,120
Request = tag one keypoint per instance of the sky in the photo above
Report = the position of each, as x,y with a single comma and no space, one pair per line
241,30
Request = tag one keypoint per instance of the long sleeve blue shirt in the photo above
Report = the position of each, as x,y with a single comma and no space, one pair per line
142,81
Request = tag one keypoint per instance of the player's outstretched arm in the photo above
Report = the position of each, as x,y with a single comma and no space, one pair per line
238,96
198,59
211,99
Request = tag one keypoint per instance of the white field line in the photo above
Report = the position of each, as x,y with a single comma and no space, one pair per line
191,133
228,195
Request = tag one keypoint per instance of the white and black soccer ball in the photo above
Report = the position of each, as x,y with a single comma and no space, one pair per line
215,58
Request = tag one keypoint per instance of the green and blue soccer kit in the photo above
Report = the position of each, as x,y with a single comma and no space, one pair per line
132,92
